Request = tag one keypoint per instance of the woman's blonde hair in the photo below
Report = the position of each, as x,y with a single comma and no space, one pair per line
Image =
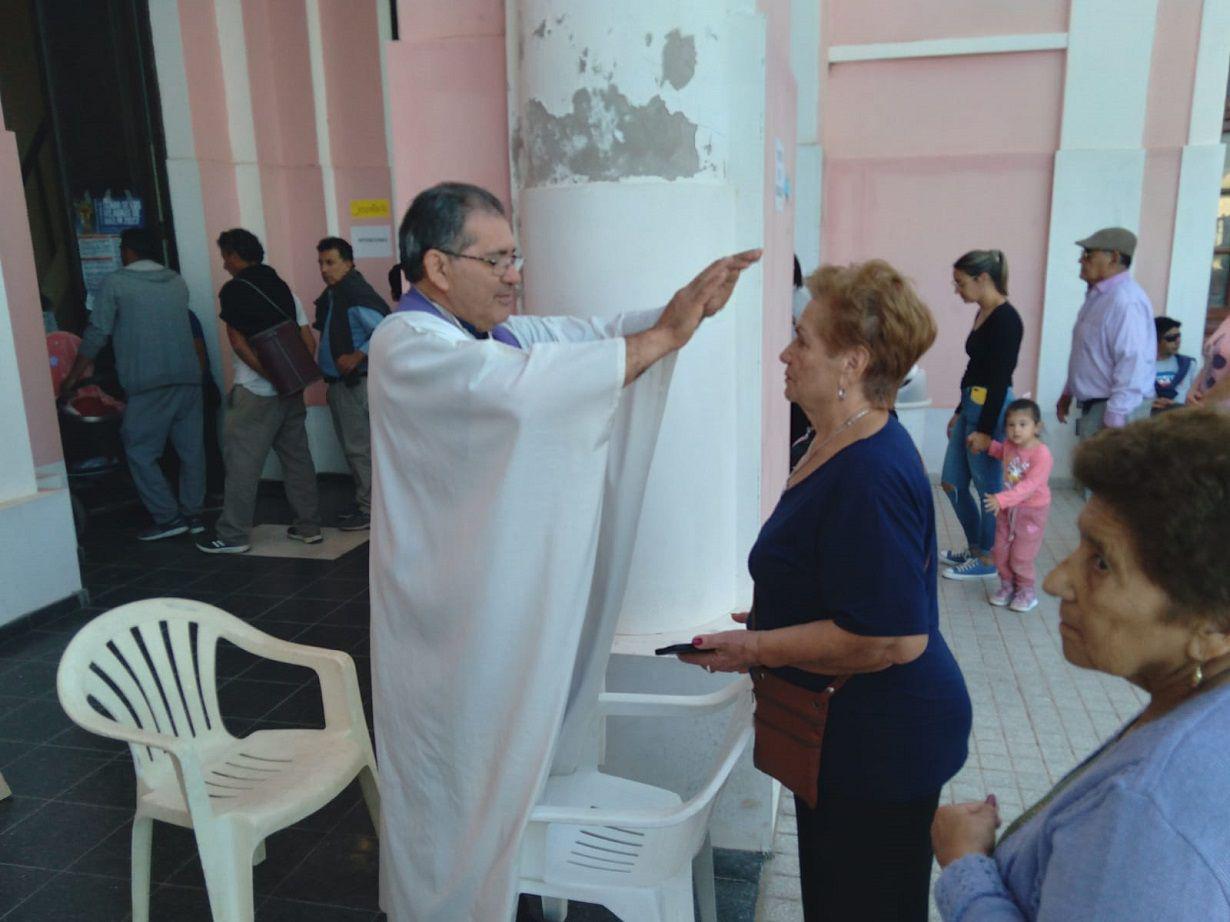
874,306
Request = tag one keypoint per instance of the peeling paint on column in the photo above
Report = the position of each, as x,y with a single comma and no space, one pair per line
648,39
678,59
583,61
604,138
541,31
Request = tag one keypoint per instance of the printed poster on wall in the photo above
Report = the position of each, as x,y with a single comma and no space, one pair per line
100,256
372,241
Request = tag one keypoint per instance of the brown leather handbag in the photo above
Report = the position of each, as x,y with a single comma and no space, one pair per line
789,724
283,355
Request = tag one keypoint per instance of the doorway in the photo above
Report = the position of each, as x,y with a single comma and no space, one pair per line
78,89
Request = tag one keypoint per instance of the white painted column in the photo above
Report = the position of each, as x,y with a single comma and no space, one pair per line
809,155
1099,171
623,153
638,157
1200,176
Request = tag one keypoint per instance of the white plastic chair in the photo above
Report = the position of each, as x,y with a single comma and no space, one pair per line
144,673
631,847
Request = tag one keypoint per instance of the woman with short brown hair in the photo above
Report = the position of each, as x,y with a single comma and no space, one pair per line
844,575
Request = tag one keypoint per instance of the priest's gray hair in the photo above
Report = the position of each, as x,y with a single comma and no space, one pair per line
436,220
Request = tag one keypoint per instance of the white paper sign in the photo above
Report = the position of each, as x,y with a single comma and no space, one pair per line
371,241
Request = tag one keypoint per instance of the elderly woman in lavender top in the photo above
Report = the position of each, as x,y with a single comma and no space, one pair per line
1141,829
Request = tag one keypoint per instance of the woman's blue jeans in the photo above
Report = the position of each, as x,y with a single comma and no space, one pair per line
962,468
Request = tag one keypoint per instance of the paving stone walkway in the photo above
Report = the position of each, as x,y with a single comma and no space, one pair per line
1035,716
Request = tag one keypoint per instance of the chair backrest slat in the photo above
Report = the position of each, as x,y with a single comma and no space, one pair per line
153,647
102,692
126,666
206,666
178,636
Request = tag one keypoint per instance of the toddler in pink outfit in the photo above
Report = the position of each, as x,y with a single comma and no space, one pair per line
1021,509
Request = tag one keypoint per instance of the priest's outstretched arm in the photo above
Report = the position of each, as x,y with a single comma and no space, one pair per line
702,297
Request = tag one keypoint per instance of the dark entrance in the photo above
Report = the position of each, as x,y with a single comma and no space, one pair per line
78,90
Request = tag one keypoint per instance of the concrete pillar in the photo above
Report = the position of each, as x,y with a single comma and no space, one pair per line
639,153
627,150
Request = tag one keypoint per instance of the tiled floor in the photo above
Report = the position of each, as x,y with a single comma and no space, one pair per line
64,835
1035,716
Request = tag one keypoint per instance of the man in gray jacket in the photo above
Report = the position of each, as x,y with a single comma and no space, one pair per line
143,309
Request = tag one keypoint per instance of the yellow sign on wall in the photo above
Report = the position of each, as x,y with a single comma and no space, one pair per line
369,208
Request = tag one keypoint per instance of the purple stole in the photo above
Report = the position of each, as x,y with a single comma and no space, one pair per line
414,300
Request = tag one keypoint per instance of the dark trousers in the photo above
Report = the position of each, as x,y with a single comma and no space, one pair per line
865,860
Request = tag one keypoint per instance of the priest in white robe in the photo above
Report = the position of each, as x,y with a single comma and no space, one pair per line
509,460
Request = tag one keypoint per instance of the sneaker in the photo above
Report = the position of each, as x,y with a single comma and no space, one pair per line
954,558
972,569
195,525
360,521
1003,596
348,513
1025,600
216,545
157,532
296,535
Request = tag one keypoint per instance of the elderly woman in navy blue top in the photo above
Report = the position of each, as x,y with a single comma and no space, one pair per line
1139,831
845,584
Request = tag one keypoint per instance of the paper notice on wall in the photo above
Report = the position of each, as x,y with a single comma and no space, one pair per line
100,256
372,241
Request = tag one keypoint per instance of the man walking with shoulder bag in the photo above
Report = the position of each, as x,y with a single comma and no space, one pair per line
259,418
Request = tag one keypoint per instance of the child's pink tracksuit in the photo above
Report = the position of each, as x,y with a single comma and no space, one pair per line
1023,508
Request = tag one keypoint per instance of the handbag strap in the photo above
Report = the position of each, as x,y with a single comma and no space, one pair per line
277,307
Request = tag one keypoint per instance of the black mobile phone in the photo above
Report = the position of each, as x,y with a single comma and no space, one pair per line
676,648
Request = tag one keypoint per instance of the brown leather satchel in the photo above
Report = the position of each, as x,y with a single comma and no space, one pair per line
283,355
789,724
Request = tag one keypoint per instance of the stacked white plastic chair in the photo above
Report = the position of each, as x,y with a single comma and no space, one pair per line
636,849
144,673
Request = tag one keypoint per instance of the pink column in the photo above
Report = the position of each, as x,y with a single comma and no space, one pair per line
25,310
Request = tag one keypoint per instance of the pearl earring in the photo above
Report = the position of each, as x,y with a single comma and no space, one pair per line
841,393
1198,678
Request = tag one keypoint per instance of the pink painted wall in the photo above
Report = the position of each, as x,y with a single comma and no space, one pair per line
956,106
447,83
854,22
284,115
922,214
778,262
1159,192
927,159
1172,73
25,310
353,82
1167,116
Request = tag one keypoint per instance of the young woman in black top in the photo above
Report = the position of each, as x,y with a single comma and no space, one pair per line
980,277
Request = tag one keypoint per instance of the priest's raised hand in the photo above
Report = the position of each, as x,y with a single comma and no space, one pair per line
702,297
